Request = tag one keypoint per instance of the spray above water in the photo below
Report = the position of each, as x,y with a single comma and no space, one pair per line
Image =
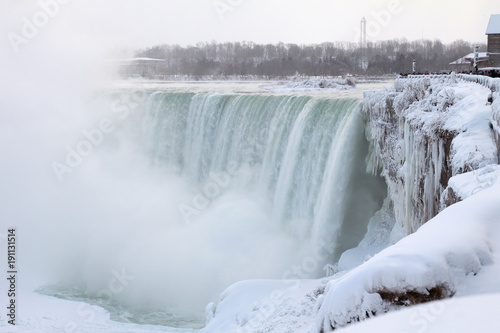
193,191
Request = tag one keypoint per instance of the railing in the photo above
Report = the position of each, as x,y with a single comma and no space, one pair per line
432,76
489,82
492,83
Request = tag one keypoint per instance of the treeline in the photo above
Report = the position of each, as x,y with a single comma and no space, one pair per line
327,59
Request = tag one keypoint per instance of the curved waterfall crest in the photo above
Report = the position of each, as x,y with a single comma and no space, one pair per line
302,154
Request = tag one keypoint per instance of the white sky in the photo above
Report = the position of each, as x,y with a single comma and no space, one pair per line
140,23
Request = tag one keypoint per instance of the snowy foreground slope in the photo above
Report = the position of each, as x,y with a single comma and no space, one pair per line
431,133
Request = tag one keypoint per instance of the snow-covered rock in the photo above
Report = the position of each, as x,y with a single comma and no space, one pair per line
424,132
436,258
477,313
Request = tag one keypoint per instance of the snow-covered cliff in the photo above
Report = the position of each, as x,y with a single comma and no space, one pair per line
422,133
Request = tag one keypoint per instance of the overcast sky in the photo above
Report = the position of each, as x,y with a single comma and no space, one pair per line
141,23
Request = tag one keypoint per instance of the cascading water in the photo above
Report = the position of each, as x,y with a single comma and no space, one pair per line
214,189
305,155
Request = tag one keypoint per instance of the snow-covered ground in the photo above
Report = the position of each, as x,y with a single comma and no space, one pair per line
477,313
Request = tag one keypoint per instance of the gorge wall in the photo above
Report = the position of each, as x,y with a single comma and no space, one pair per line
425,131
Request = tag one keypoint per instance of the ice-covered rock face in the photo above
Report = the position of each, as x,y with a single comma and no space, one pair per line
422,133
433,140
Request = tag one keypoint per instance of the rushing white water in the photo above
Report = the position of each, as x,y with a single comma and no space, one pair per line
199,190
304,154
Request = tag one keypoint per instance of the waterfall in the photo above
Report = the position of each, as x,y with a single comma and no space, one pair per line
218,187
304,155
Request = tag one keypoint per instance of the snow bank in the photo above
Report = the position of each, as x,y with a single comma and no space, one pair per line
265,306
440,254
469,314
462,186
